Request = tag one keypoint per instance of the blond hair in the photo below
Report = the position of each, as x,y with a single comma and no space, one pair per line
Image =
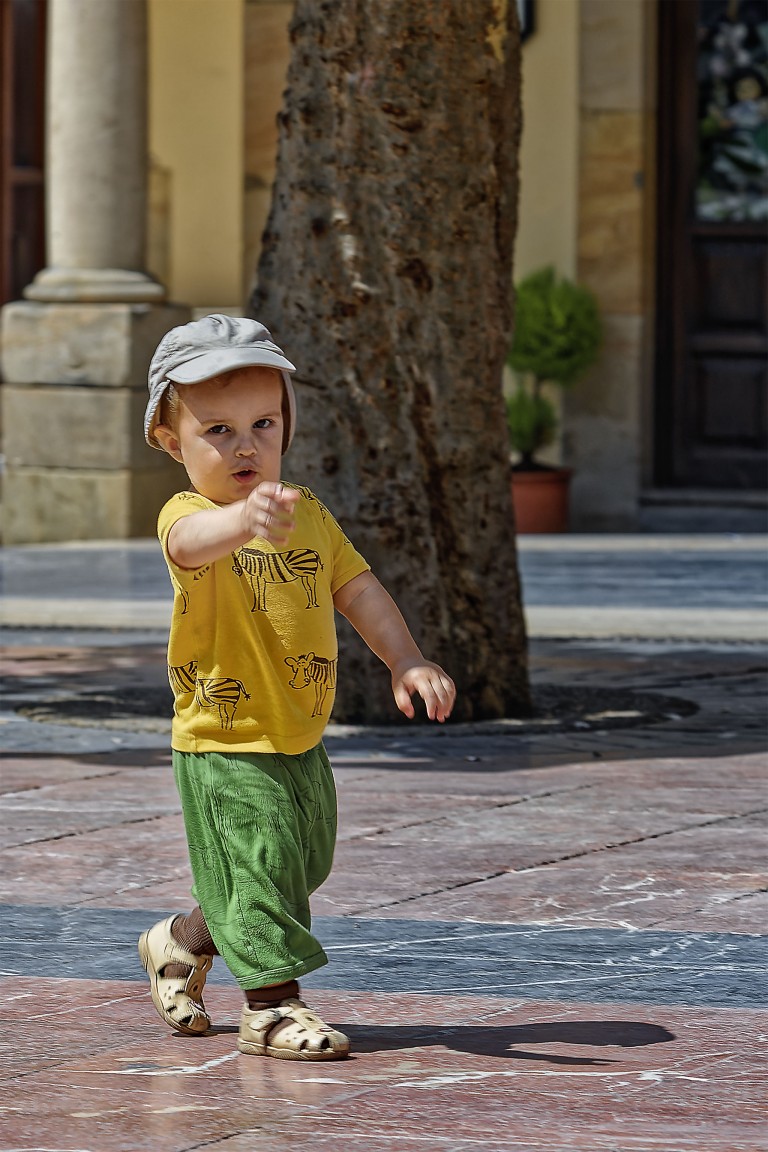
168,408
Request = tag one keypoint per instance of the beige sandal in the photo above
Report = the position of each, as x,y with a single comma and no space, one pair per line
178,999
290,1031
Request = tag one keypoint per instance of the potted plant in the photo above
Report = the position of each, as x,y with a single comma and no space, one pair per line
557,336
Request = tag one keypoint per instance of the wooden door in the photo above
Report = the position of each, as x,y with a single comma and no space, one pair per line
22,134
711,396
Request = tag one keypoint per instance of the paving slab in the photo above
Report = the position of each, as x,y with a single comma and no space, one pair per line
544,936
630,586
460,1073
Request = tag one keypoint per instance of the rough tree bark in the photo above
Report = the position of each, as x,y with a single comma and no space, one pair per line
386,275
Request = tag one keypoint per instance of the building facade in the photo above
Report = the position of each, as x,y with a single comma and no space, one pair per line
643,176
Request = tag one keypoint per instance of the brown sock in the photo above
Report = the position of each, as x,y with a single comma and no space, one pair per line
272,994
191,932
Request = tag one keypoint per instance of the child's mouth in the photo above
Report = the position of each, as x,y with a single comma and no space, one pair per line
244,475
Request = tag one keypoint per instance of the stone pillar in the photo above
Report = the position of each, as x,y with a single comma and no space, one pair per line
75,353
604,411
96,154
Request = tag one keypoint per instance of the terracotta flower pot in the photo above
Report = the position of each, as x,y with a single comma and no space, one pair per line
540,500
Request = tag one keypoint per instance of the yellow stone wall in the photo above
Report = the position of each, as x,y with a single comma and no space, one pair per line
549,151
605,414
217,72
549,156
196,69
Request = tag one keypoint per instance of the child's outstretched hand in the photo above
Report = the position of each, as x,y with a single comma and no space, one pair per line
268,512
372,611
435,687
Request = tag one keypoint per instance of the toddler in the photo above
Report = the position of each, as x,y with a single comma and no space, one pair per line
258,567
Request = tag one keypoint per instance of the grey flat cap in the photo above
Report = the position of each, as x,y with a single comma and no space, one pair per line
206,348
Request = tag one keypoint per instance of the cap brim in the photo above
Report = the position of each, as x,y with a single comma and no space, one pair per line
225,360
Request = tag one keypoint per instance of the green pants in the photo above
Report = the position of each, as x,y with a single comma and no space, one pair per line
261,830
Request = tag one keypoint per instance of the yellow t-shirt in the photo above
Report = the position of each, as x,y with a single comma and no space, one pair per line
252,652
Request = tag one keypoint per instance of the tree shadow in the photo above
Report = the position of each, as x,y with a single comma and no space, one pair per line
506,1042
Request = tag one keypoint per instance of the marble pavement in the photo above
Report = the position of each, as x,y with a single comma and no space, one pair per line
543,937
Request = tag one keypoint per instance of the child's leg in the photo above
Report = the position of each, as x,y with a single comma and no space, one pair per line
317,831
261,831
254,822
276,1022
176,978
271,994
191,932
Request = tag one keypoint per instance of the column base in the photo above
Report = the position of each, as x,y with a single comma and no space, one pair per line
76,463
94,285
56,505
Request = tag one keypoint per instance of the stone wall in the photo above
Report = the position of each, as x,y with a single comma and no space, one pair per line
605,439
195,128
77,466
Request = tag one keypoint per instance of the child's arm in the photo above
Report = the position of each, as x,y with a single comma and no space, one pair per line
373,613
205,536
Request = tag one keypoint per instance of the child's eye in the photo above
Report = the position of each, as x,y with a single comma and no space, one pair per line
217,429
264,423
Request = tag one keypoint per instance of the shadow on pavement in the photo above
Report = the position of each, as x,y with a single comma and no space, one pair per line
503,1042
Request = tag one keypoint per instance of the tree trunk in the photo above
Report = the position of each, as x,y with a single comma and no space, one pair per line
386,276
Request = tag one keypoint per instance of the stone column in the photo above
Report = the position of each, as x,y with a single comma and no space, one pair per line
96,153
75,353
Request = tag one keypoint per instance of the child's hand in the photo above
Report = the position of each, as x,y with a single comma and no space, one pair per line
268,512
373,613
435,687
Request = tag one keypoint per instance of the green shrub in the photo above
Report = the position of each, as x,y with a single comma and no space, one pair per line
557,328
557,336
532,422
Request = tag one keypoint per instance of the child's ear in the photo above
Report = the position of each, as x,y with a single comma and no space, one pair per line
169,441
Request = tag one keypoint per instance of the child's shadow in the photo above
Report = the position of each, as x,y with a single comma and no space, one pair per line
504,1042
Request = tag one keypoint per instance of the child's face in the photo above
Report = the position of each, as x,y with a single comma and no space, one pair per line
229,433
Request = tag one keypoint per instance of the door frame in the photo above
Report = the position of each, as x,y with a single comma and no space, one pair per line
676,120
12,174
676,287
